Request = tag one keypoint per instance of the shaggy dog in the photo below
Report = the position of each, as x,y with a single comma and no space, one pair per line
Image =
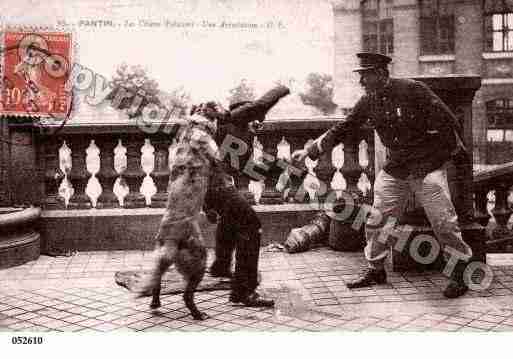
179,240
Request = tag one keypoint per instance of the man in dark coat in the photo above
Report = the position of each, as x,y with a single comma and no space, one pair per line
420,133
239,227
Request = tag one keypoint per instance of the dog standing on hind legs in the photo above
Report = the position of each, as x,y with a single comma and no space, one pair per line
179,240
190,259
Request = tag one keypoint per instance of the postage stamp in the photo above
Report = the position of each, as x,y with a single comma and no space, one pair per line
36,68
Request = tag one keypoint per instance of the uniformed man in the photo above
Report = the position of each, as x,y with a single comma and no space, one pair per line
420,133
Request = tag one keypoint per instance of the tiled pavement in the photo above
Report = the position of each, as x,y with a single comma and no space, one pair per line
78,293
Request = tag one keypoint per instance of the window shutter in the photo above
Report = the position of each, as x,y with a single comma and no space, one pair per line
428,35
488,33
446,35
370,36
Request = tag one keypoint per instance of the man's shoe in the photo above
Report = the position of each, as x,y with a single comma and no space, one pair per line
455,289
457,286
370,277
251,300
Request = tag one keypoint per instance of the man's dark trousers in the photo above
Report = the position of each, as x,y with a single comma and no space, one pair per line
225,245
239,228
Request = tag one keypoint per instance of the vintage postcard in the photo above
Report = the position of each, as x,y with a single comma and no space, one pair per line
255,166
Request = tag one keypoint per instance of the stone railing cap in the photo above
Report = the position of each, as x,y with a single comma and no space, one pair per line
485,175
451,81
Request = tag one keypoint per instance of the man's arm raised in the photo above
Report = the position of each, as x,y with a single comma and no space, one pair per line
256,110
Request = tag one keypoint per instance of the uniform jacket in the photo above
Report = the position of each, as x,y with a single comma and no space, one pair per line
416,127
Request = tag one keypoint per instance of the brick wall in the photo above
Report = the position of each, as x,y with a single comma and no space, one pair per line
467,58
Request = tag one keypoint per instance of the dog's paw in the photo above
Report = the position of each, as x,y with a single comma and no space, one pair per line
200,316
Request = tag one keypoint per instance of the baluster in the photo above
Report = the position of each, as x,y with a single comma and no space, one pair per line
134,174
301,186
283,182
338,182
481,202
148,188
160,174
107,174
53,174
79,174
325,172
120,164
93,188
502,213
490,204
370,169
311,184
269,156
298,171
351,169
364,184
66,189
256,188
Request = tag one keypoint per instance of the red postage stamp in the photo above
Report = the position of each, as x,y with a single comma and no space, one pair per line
36,68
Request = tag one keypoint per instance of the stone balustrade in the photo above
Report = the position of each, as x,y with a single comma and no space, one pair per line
103,186
121,166
493,199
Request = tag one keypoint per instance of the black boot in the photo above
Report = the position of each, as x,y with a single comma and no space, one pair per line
246,270
251,300
457,286
370,277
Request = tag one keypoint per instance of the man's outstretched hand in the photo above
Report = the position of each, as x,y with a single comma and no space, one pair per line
299,156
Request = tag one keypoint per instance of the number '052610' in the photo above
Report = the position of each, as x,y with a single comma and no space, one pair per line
27,340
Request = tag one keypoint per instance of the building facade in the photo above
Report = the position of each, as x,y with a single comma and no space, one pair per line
437,37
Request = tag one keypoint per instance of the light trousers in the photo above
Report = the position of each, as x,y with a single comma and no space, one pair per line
390,199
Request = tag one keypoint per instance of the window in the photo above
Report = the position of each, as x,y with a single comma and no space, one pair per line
498,22
495,135
378,26
499,113
436,27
